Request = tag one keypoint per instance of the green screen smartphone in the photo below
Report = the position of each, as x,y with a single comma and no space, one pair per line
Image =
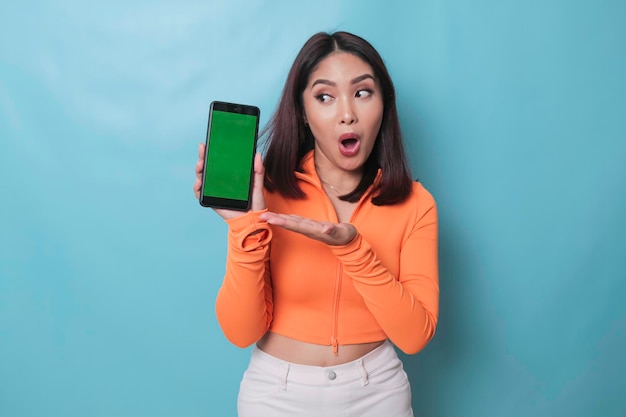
228,162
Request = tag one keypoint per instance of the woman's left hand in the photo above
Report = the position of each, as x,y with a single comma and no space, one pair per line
330,233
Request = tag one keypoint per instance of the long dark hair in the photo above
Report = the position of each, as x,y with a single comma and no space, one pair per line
289,139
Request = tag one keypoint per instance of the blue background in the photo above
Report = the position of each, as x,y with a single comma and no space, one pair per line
515,119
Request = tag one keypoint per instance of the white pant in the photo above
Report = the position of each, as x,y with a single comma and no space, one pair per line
374,385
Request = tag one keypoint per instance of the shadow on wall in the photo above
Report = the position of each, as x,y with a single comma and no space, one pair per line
433,370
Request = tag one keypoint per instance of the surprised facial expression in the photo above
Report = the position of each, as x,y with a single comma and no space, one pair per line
343,106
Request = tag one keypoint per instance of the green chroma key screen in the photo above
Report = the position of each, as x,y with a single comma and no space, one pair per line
230,153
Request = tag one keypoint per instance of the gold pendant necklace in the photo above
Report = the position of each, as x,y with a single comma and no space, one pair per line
330,186
324,183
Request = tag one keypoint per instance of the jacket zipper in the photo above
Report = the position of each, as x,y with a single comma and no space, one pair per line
337,296
333,340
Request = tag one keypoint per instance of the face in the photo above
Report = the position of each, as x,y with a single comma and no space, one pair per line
343,106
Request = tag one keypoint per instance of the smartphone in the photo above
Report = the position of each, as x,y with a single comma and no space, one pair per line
229,155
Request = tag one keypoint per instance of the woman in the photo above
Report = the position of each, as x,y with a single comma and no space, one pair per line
338,254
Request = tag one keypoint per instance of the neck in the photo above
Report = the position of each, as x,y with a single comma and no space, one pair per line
338,181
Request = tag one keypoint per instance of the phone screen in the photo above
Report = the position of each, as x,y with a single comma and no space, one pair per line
231,143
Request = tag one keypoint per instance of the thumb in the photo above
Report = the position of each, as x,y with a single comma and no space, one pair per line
258,199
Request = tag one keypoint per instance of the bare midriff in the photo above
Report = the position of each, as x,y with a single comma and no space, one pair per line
296,351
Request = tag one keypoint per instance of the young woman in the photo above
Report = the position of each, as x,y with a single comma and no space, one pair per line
337,258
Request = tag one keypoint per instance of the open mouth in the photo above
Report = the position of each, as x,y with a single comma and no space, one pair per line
349,144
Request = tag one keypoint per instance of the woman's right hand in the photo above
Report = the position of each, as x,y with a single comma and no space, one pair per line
258,199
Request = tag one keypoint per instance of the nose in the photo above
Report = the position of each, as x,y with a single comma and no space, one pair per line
347,114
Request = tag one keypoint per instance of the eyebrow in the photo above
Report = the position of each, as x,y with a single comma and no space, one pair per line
332,83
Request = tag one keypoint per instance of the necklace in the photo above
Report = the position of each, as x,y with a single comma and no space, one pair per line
332,187
326,184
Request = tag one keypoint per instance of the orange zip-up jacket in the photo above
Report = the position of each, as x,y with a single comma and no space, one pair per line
382,284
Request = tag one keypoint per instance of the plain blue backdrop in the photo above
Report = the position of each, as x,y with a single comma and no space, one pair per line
514,115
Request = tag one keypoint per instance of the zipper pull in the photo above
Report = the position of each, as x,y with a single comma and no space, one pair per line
335,347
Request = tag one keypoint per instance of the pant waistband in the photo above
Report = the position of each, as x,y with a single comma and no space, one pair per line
325,375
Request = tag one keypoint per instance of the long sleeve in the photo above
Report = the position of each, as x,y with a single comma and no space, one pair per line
244,304
406,307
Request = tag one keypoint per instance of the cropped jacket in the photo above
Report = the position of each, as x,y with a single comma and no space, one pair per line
382,284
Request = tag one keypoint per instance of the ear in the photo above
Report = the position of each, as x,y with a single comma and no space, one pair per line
304,119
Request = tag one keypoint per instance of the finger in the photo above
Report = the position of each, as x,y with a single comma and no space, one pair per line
280,218
201,151
196,188
330,233
327,229
296,224
197,185
258,199
285,217
273,218
259,169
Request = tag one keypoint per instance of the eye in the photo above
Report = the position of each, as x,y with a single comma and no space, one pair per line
363,93
323,98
